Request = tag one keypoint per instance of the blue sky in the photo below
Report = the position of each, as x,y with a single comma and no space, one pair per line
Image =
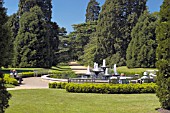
69,12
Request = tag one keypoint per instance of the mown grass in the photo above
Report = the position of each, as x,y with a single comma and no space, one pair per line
60,101
126,70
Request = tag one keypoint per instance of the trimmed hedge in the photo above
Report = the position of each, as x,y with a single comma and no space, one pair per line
26,74
111,88
58,85
62,74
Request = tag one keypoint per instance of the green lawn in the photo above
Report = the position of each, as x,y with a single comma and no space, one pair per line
60,101
132,71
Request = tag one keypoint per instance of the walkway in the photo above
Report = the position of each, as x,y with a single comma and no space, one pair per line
77,68
32,83
39,83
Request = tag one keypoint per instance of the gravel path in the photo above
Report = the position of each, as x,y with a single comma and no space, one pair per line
77,68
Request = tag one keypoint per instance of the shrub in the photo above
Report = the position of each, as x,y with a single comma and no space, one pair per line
111,88
62,74
58,85
26,74
9,80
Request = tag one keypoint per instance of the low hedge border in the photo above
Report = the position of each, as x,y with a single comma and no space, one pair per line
106,88
111,89
62,74
58,85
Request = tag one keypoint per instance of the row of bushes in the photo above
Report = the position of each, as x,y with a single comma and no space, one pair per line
58,85
26,74
111,89
106,88
62,74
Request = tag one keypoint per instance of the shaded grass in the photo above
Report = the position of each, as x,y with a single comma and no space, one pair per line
61,68
60,101
39,70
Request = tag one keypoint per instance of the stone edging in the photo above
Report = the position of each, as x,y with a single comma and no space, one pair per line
46,77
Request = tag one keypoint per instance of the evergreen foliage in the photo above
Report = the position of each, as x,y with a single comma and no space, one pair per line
92,11
4,38
13,25
80,38
54,42
37,36
141,51
45,5
163,55
64,53
31,44
115,23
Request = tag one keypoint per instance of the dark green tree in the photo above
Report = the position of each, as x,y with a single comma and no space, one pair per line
115,23
89,52
163,55
141,51
31,46
54,42
92,11
45,5
4,95
13,25
80,38
64,54
4,37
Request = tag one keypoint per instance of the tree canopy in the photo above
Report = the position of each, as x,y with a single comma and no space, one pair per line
114,27
92,11
4,52
163,55
141,51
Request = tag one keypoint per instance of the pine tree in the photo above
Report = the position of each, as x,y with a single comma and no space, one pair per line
45,5
4,95
163,55
54,42
115,23
141,51
80,38
92,11
32,44
51,29
13,25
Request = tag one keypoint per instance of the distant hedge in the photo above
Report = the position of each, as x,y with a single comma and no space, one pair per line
26,74
106,88
63,74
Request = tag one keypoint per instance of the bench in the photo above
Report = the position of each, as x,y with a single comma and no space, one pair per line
18,78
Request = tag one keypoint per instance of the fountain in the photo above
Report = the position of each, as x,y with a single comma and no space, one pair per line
88,70
106,74
104,65
96,70
115,71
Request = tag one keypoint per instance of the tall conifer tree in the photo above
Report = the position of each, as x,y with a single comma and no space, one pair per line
92,11
4,95
163,55
45,5
141,51
32,44
115,23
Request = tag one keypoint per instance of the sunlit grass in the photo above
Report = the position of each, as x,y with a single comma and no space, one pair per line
60,101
